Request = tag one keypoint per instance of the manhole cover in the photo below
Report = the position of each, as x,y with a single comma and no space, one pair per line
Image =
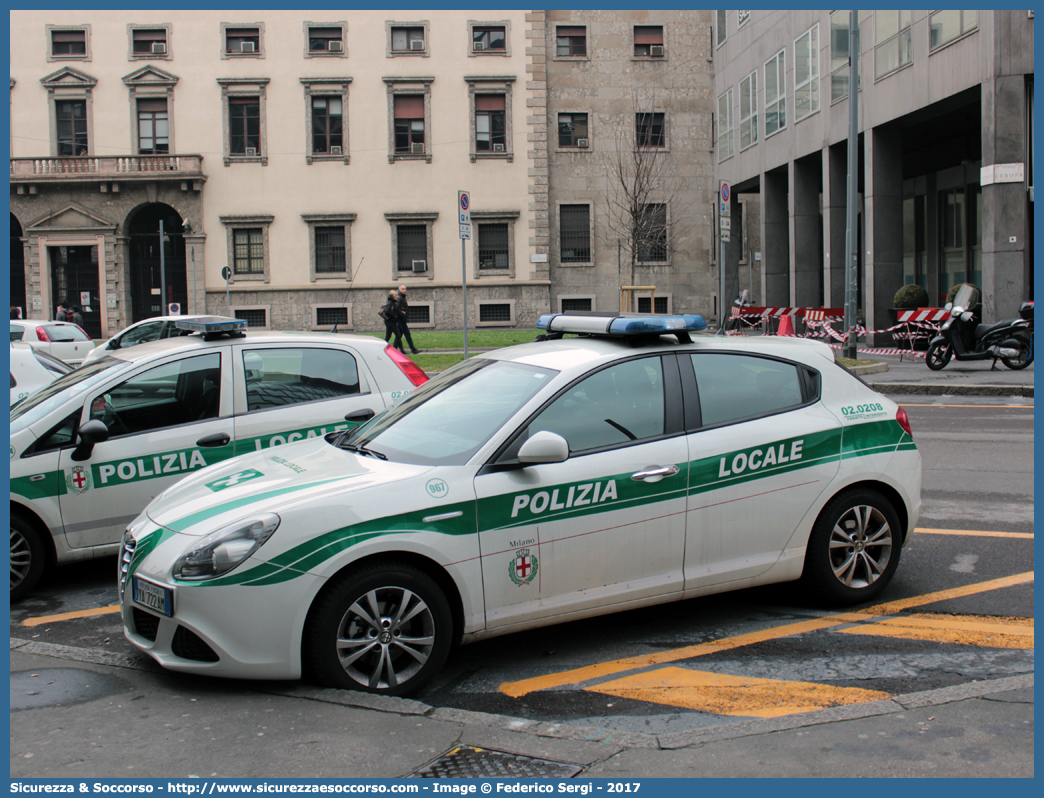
468,762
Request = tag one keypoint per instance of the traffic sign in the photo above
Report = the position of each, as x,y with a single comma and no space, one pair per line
174,309
725,235
726,223
465,231
464,213
226,274
725,193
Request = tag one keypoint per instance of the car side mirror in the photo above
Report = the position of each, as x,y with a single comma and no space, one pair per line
359,416
89,433
544,447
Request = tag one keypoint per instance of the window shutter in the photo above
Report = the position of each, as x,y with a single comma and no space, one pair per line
68,36
572,31
152,106
489,102
409,106
150,35
648,34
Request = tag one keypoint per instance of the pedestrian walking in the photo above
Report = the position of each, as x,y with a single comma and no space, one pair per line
390,313
75,316
403,327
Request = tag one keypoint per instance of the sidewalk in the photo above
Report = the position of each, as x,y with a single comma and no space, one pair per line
970,378
92,714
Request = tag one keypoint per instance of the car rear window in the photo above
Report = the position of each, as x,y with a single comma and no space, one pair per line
60,333
17,333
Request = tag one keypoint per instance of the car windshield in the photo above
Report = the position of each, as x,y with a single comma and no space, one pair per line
967,297
56,394
51,363
451,416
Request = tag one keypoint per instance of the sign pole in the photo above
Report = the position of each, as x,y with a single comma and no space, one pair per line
163,274
724,220
852,232
464,217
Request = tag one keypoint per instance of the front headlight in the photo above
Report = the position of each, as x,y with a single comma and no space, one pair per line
221,551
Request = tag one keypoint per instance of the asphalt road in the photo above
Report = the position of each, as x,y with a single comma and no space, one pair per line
959,610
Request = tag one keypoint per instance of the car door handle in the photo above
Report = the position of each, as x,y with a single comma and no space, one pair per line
217,439
655,473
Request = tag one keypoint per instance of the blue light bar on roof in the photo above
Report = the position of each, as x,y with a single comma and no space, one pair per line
212,324
620,325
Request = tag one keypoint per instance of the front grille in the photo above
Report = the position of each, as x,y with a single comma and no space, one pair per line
188,645
126,553
145,624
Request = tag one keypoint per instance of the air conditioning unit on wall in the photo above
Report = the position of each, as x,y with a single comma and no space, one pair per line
333,47
247,47
251,152
417,44
159,48
498,148
420,265
581,143
417,147
479,46
335,150
656,50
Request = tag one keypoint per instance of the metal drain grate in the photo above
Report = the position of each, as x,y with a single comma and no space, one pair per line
468,762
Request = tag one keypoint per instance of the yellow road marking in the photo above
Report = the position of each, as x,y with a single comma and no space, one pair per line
722,694
67,616
601,669
969,631
970,533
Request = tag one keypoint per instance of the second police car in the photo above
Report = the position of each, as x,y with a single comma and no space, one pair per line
91,449
537,484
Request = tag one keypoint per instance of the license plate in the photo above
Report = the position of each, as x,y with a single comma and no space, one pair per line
154,597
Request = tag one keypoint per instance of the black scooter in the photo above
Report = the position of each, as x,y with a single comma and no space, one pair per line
964,337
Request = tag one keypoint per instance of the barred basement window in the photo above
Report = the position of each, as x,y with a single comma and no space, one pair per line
661,304
253,318
324,316
418,314
489,311
576,305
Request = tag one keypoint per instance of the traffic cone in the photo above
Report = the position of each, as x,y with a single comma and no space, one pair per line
786,326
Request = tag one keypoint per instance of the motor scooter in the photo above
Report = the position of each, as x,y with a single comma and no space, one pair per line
964,337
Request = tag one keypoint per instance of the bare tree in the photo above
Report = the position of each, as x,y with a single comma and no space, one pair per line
648,204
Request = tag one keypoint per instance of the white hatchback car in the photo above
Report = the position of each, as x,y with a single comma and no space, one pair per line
63,339
91,449
570,477
154,329
32,369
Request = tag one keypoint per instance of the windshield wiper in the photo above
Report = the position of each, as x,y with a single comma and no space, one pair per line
352,447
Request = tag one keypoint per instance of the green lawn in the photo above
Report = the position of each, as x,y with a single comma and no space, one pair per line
477,339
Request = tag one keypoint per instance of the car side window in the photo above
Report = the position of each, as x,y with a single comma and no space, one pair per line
733,387
60,436
139,335
181,392
283,377
616,405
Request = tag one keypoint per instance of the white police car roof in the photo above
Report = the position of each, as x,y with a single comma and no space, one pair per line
620,324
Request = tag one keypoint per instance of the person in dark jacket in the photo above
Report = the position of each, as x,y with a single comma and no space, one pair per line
74,316
403,327
62,314
391,320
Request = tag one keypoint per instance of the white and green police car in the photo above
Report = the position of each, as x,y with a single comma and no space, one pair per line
91,449
574,476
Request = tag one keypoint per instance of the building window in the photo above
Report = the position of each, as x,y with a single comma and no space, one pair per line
153,130
572,131
248,248
648,41
330,317
662,303
326,40
244,125
489,123
412,244
248,251
409,124
412,247
327,126
650,130
242,41
722,32
571,41
69,43
496,313
725,126
72,127
329,244
576,304
775,93
945,26
893,41
806,73
419,314
488,39
652,232
574,233
748,101
840,54
150,43
254,317
408,39
493,246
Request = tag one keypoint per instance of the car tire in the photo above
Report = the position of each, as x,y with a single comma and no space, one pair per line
937,356
355,635
28,557
854,548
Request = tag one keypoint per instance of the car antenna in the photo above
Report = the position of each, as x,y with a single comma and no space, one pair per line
349,291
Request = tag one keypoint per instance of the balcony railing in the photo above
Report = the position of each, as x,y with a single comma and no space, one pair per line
108,167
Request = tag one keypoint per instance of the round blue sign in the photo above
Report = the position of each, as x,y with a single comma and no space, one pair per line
464,201
724,192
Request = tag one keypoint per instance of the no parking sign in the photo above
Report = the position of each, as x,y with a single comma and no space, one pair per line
174,309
